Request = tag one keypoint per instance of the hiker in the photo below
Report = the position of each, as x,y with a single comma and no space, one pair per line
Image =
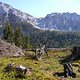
68,71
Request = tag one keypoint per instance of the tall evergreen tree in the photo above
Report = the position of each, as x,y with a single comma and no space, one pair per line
27,42
18,39
8,33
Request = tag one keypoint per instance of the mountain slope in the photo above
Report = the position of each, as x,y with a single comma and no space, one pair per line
60,21
17,18
8,11
53,21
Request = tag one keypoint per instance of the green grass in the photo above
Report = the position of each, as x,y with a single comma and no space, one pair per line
41,70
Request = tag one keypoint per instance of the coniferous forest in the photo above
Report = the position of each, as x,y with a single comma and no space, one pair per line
33,37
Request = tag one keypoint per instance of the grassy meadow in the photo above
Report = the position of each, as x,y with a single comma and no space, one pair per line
40,70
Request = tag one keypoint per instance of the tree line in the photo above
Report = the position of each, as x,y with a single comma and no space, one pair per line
34,36
16,36
56,39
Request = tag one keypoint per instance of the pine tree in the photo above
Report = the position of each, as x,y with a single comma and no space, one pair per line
8,33
27,42
18,39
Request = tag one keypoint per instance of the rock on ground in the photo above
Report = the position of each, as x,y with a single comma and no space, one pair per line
9,49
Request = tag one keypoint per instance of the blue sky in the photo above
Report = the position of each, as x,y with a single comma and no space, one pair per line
40,8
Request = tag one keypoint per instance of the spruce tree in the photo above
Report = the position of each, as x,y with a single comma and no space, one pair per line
8,33
18,39
27,42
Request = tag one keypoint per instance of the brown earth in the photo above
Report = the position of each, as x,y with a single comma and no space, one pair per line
9,49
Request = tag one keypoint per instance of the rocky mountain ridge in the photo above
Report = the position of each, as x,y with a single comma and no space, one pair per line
7,10
54,21
60,21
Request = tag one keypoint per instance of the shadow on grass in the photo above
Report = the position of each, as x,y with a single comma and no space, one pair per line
62,74
59,74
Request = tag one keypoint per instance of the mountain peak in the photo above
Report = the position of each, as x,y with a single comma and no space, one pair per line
54,21
60,21
8,10
4,7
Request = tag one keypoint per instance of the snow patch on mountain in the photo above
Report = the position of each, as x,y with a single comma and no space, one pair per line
54,21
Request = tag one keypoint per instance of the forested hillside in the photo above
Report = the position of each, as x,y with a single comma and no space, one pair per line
56,38
36,36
